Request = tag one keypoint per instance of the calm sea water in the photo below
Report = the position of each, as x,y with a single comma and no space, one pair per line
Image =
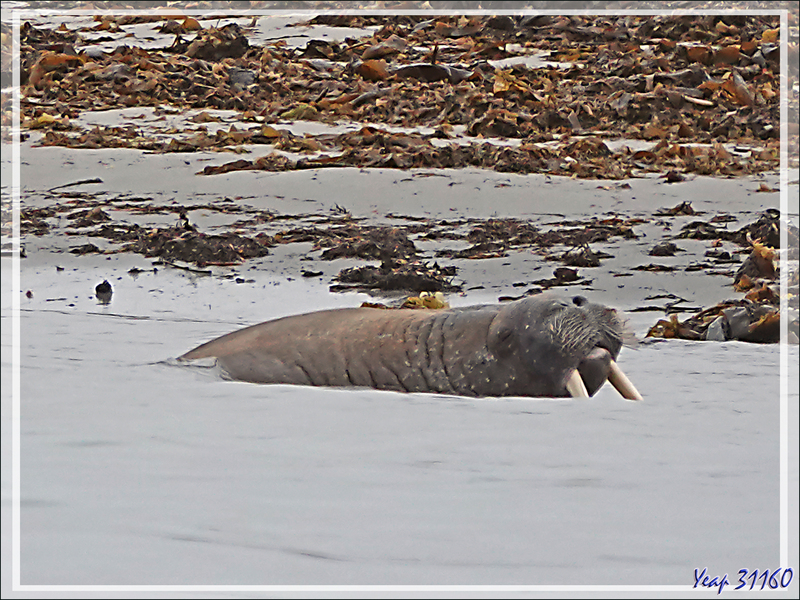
139,472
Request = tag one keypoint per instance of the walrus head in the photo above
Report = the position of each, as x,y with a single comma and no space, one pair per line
572,346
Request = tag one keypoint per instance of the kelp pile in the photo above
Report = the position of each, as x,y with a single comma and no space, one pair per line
756,316
606,97
336,236
702,90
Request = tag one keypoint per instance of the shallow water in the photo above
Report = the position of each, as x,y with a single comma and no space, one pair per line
140,472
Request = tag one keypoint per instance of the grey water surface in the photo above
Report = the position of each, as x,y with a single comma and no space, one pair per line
136,471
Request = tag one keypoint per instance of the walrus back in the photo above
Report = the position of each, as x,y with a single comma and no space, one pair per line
403,350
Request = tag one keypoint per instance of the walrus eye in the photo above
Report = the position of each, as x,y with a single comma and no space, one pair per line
579,300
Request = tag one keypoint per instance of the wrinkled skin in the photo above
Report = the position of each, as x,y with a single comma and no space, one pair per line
526,348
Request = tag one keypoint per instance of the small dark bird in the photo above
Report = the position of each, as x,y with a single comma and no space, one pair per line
184,220
103,292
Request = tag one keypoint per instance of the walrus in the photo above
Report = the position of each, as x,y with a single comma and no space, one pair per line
539,346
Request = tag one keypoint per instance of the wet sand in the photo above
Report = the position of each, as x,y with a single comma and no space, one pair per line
385,197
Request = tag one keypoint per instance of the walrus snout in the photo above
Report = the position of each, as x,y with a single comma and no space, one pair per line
608,332
594,370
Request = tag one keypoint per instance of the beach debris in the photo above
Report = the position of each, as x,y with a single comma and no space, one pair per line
562,90
85,249
741,320
755,317
399,276
432,300
424,300
177,244
517,94
664,249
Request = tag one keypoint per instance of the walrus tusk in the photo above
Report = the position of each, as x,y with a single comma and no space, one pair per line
575,385
622,384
